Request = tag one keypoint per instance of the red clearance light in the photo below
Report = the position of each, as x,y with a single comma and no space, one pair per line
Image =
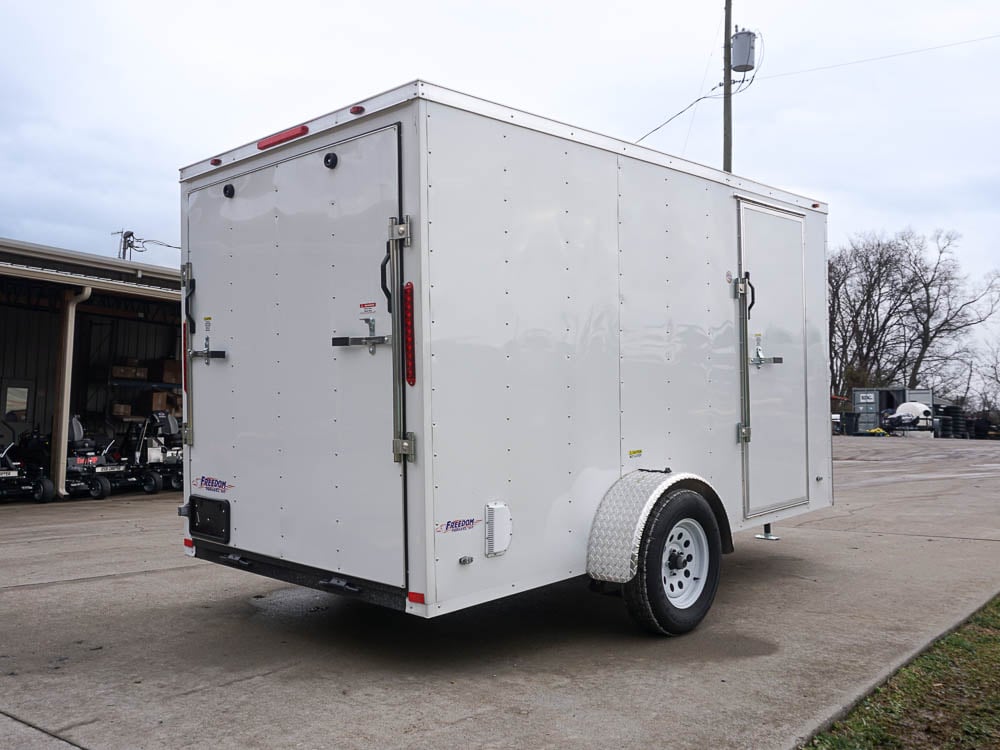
188,542
216,162
409,337
815,205
282,137
416,598
357,109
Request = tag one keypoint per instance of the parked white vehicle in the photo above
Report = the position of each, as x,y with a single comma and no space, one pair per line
443,351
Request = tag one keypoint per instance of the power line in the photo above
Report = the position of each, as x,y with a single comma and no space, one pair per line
710,94
129,243
882,57
741,86
667,122
701,86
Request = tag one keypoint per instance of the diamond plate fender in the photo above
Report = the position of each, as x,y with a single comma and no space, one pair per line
613,547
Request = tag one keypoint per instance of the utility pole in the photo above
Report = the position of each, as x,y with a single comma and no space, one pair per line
727,92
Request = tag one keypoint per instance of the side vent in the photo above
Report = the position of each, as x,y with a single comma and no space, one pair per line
498,529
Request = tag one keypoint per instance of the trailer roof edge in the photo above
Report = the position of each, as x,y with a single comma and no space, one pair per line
419,89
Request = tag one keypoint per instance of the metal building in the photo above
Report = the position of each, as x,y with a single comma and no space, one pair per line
68,321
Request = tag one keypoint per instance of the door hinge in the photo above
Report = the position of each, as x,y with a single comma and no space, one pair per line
742,433
187,433
404,447
400,230
185,274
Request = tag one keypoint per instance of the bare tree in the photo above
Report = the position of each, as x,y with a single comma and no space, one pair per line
941,308
867,301
990,365
988,386
901,312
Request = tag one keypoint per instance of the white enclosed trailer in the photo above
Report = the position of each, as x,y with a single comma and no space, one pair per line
443,351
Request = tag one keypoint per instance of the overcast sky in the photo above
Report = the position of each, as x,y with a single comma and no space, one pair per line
102,102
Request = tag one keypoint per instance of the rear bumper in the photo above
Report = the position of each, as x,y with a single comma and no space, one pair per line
391,597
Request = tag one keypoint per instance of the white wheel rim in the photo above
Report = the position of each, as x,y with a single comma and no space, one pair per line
684,567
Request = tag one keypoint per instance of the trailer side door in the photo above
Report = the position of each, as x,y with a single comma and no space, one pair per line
774,421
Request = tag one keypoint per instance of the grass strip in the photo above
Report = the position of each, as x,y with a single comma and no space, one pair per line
946,698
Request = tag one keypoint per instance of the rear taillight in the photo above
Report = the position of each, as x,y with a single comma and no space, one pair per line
188,542
409,338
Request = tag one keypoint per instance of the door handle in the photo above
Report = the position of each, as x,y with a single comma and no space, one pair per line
382,277
753,293
371,340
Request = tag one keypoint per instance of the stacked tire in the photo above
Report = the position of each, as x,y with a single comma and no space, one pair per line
957,422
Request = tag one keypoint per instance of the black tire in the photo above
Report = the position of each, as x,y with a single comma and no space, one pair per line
151,483
99,487
43,490
176,482
646,594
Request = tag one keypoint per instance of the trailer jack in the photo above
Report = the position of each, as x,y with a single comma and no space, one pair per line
767,536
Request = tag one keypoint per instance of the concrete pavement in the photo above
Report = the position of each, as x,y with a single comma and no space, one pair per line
111,638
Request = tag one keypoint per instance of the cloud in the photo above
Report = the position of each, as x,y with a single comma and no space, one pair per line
101,103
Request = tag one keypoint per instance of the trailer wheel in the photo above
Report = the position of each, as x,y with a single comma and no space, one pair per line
43,490
151,483
99,487
678,569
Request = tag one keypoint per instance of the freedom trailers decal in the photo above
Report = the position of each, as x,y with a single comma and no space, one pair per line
459,524
211,484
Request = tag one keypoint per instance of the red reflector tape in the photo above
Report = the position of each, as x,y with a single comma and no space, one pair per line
416,598
282,137
409,336
189,543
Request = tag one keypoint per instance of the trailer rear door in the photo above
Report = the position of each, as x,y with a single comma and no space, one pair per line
775,459
294,432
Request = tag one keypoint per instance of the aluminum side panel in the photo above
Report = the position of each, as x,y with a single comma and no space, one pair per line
680,373
523,266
